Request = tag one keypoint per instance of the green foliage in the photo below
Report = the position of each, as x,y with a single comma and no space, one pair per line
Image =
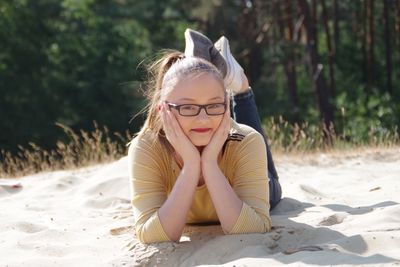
365,117
76,61
70,62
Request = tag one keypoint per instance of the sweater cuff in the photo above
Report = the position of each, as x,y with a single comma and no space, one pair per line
248,222
239,221
152,231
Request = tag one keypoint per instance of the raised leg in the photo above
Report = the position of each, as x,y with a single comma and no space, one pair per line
245,112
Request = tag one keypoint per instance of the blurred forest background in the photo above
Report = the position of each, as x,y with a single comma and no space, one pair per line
329,64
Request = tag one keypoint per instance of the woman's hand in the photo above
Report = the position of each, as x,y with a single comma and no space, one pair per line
177,138
211,151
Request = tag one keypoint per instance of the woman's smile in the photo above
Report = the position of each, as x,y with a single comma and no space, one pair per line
201,130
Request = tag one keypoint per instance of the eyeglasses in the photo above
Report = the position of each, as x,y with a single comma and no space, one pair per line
194,110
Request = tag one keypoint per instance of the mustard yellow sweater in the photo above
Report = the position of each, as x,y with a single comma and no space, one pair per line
153,173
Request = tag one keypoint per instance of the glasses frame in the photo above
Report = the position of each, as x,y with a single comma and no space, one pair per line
178,108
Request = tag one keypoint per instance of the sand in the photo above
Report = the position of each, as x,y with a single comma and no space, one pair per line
339,208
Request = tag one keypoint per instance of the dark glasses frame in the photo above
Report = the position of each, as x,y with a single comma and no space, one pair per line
178,108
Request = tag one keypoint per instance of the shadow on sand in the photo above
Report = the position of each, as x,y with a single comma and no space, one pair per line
288,242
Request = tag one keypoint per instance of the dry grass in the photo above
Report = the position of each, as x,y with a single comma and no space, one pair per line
87,148
294,138
82,149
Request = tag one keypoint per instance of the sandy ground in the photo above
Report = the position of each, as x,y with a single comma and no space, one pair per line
338,209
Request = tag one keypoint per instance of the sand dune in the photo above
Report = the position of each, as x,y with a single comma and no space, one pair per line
337,210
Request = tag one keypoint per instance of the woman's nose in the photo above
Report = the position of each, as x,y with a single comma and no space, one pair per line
203,114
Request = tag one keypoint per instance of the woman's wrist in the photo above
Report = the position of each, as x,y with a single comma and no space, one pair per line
191,157
208,164
192,167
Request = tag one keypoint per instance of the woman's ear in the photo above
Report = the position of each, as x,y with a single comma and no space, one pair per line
159,107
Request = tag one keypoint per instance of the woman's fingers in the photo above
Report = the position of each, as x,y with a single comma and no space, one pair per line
171,126
228,121
173,122
225,124
176,137
217,141
223,130
166,120
174,125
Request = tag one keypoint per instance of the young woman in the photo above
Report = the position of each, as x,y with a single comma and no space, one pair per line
191,162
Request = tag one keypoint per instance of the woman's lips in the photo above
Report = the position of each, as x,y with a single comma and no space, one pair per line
201,130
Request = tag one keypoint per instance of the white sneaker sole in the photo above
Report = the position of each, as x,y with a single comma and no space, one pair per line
233,78
189,45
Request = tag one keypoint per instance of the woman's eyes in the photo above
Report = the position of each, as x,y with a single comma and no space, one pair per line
215,106
194,107
188,107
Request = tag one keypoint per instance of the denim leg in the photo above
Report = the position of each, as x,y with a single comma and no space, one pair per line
275,191
245,112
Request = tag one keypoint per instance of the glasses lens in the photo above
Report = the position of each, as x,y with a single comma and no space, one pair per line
189,110
216,109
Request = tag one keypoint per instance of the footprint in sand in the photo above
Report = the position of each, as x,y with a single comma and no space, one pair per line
271,241
66,182
102,203
289,205
9,188
122,230
122,214
333,219
305,248
312,191
29,228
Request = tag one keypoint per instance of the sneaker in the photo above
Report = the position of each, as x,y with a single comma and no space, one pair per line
198,45
234,73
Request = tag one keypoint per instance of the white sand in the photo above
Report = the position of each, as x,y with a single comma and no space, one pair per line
336,211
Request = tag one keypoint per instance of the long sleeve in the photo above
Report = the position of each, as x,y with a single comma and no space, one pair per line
148,190
250,183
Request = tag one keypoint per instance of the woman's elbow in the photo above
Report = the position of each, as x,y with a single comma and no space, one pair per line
175,239
146,237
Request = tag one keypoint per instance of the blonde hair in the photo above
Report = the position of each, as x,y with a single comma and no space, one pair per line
164,74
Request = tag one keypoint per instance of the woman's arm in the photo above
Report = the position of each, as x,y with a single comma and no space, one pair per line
250,183
158,217
148,188
227,204
244,207
174,211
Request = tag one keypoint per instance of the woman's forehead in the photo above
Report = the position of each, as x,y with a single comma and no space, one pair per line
202,87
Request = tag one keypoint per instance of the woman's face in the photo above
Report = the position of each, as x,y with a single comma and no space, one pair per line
201,90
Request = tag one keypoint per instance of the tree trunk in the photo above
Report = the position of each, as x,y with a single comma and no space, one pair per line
336,24
286,35
388,48
371,43
330,49
314,21
298,29
398,35
325,107
291,65
249,29
364,46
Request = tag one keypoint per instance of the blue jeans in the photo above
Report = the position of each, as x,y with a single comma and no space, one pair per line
245,112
